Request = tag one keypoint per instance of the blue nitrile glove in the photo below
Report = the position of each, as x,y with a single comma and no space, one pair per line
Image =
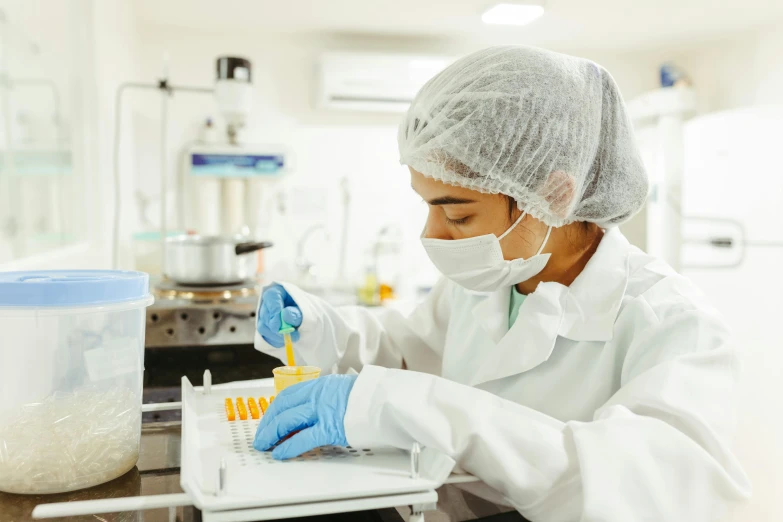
316,407
275,300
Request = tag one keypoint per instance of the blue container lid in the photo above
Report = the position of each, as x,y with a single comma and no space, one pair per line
71,287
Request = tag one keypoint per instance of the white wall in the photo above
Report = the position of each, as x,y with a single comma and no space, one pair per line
743,71
328,145
739,71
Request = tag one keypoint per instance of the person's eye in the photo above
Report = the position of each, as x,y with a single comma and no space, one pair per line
460,221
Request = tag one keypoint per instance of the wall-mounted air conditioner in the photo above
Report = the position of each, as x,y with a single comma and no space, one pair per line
373,82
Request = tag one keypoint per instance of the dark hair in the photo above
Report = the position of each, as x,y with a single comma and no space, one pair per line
512,205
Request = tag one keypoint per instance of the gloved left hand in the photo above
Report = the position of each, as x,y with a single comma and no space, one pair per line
316,407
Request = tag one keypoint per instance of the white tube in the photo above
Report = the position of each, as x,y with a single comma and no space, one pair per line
182,188
253,199
161,406
110,505
179,180
206,207
233,205
115,240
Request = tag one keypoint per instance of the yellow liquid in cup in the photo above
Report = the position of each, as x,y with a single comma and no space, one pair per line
286,376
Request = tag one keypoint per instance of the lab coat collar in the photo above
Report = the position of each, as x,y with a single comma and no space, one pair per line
594,298
585,311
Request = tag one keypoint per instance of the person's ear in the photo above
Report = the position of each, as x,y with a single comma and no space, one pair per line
559,191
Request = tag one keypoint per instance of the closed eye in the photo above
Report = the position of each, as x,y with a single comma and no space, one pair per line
460,221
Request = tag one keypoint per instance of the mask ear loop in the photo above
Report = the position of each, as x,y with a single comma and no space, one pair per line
519,219
504,234
548,231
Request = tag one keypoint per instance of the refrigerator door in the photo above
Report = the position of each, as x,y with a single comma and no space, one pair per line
733,182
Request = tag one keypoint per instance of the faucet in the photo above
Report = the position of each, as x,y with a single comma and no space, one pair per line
387,235
304,265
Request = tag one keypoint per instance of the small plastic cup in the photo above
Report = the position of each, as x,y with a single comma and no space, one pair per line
286,376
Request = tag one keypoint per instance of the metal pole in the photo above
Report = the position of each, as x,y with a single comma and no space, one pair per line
116,151
164,114
115,248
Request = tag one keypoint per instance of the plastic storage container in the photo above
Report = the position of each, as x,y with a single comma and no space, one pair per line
71,377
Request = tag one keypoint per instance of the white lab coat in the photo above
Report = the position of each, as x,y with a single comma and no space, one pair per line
609,400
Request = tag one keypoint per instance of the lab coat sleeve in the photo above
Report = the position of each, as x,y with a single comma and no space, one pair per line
657,450
345,339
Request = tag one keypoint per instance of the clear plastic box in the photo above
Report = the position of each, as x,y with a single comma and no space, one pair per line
71,377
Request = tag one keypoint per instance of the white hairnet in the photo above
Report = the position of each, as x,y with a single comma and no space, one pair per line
546,129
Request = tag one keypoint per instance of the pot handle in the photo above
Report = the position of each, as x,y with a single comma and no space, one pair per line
246,248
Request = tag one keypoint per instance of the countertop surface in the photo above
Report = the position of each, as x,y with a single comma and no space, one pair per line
156,473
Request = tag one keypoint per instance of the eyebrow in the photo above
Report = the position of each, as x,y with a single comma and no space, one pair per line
449,200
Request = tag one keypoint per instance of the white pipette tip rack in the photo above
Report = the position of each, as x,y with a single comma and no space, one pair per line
229,480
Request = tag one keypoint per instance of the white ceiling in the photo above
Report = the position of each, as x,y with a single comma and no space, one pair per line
569,24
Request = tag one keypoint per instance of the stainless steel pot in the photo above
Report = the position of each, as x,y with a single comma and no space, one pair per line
211,260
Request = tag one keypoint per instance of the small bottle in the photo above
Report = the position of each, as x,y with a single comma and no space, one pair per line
369,294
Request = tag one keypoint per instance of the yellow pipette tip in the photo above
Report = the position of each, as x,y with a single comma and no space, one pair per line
289,350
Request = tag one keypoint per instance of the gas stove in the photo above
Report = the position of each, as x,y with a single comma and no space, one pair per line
187,316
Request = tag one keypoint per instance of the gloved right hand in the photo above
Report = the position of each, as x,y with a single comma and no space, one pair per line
315,407
274,301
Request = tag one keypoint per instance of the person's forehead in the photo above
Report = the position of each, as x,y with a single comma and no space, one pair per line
425,186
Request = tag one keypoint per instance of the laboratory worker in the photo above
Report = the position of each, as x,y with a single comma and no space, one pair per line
579,378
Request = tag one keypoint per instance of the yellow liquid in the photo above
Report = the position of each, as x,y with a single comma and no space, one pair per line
289,350
286,376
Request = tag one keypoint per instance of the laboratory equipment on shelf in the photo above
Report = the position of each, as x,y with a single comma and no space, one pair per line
222,186
71,372
218,186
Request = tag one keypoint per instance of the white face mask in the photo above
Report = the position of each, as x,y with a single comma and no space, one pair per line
477,263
